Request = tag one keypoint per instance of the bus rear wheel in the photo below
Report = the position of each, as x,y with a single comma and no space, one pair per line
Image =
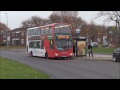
46,55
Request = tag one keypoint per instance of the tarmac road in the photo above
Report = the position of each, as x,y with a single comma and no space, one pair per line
69,68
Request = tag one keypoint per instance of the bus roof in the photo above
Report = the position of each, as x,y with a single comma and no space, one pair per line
32,28
46,25
51,24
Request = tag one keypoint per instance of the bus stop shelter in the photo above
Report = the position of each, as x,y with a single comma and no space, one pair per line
80,46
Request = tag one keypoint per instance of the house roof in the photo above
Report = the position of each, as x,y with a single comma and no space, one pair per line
18,29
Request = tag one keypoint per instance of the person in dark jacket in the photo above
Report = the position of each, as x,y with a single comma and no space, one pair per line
90,50
74,50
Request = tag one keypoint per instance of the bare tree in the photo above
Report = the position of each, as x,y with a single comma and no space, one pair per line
111,16
3,28
45,21
54,18
34,21
62,14
66,16
115,17
93,31
70,17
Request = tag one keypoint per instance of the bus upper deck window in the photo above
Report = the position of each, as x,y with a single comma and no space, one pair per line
50,30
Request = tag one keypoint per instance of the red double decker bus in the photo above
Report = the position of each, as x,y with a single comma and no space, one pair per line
50,41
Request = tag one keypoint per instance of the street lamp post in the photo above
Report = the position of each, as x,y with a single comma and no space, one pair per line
7,26
6,19
6,31
87,35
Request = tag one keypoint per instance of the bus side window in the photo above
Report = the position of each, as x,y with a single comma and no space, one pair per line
46,30
50,30
38,44
34,45
39,31
51,44
32,32
42,31
29,44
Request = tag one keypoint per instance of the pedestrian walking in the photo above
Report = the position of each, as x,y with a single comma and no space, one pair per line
90,50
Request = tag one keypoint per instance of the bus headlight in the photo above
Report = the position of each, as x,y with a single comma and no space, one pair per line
56,54
71,54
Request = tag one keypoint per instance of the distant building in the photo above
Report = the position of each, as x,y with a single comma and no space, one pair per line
4,37
18,37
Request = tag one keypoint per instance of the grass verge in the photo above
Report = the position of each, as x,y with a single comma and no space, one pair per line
10,69
103,50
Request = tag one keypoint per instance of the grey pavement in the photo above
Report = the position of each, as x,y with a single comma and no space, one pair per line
96,57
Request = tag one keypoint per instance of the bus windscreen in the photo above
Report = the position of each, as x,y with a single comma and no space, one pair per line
63,44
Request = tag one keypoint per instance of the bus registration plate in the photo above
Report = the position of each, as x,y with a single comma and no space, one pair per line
63,56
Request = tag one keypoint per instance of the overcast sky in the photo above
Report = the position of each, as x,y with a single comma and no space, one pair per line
16,17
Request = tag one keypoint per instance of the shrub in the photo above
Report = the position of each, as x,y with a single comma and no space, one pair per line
3,44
